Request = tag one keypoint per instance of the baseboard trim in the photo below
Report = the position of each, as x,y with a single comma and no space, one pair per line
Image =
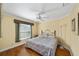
2,50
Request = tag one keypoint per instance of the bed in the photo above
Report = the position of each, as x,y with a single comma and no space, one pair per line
45,46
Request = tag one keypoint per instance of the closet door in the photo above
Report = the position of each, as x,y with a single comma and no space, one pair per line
78,23
64,31
0,19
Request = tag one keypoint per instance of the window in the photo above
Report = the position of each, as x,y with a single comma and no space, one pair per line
24,31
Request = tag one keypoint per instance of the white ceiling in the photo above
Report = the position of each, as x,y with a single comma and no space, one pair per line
30,10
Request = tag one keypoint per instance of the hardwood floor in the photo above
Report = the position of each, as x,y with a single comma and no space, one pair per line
62,52
22,51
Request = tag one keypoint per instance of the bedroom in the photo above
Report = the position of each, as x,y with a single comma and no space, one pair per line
59,20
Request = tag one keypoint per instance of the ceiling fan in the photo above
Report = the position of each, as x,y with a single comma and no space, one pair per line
41,14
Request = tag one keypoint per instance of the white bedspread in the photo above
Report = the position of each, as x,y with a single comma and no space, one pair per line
46,46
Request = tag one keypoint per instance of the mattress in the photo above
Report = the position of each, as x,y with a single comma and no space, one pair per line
46,46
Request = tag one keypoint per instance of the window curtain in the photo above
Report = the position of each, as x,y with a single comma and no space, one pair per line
17,32
31,31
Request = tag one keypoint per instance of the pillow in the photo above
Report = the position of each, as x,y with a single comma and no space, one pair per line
43,35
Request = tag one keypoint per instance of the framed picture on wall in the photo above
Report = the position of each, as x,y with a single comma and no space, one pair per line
73,25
